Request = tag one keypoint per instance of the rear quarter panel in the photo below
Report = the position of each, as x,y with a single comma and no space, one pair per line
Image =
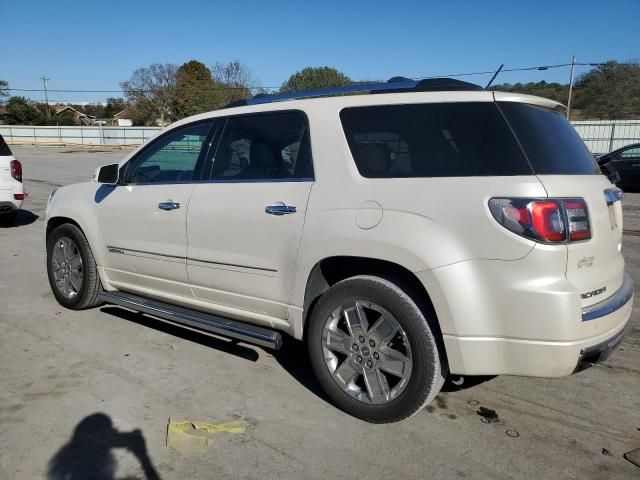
424,223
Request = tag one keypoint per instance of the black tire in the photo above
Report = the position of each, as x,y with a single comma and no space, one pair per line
87,295
427,373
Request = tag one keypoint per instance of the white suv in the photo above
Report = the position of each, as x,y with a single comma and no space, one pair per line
11,187
421,229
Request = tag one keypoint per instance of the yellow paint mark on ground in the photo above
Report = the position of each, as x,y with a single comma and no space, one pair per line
195,438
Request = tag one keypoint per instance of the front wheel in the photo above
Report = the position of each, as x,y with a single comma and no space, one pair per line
72,270
373,351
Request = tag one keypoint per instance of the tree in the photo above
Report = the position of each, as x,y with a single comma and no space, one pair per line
4,90
94,109
554,91
19,111
611,90
65,118
315,77
114,105
152,89
236,78
196,90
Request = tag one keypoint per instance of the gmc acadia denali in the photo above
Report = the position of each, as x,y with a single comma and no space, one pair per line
408,231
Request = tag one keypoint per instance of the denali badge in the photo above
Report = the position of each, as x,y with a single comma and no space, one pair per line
585,262
594,293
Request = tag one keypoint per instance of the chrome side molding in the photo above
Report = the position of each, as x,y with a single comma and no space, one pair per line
611,304
202,321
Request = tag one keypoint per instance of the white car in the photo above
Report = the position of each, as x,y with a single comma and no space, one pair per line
419,229
11,187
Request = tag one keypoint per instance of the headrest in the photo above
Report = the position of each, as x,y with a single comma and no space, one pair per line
262,155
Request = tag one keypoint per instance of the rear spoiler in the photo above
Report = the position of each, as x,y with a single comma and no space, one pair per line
531,100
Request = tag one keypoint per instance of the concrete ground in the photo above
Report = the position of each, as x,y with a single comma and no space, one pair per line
59,369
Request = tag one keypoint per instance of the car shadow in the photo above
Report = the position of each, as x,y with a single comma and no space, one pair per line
218,343
88,453
292,357
456,383
22,218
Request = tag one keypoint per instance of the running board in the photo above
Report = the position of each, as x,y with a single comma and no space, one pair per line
202,321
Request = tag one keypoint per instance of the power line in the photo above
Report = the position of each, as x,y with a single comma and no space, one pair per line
138,91
258,87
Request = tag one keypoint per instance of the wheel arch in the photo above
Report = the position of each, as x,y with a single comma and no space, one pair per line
331,270
55,222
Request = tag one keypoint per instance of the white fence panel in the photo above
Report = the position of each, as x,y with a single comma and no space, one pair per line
63,135
601,136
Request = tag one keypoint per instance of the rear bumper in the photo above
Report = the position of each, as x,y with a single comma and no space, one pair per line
589,356
479,355
9,206
8,202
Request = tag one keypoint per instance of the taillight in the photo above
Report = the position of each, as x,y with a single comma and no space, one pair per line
578,219
548,220
16,170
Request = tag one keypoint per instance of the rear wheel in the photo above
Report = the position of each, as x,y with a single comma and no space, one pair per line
72,270
373,351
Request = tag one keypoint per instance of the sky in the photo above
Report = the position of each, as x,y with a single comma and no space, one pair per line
83,45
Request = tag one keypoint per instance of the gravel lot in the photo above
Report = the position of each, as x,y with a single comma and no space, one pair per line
58,367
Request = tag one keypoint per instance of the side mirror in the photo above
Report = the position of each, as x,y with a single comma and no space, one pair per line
610,171
108,174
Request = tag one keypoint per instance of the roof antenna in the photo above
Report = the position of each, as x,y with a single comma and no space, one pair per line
494,76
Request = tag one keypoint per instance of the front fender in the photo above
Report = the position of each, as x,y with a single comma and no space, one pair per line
78,203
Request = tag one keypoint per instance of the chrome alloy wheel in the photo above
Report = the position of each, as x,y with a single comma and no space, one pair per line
367,352
66,263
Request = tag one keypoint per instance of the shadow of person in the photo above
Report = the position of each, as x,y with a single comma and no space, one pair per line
88,454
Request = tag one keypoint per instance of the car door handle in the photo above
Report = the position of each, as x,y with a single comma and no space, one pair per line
635,165
280,208
168,205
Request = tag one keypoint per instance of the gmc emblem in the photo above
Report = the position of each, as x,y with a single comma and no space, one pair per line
594,293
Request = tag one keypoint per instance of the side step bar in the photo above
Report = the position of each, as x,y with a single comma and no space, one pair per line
202,321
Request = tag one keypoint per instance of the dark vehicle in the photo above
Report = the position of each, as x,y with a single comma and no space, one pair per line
625,162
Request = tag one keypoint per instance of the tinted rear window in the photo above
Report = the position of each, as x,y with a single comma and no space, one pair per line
4,148
550,142
432,140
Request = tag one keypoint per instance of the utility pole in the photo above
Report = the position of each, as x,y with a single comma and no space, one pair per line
573,68
46,94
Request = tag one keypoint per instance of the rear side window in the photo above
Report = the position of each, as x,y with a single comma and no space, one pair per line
432,140
552,145
4,148
267,146
630,153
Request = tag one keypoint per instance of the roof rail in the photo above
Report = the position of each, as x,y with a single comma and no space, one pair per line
393,85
